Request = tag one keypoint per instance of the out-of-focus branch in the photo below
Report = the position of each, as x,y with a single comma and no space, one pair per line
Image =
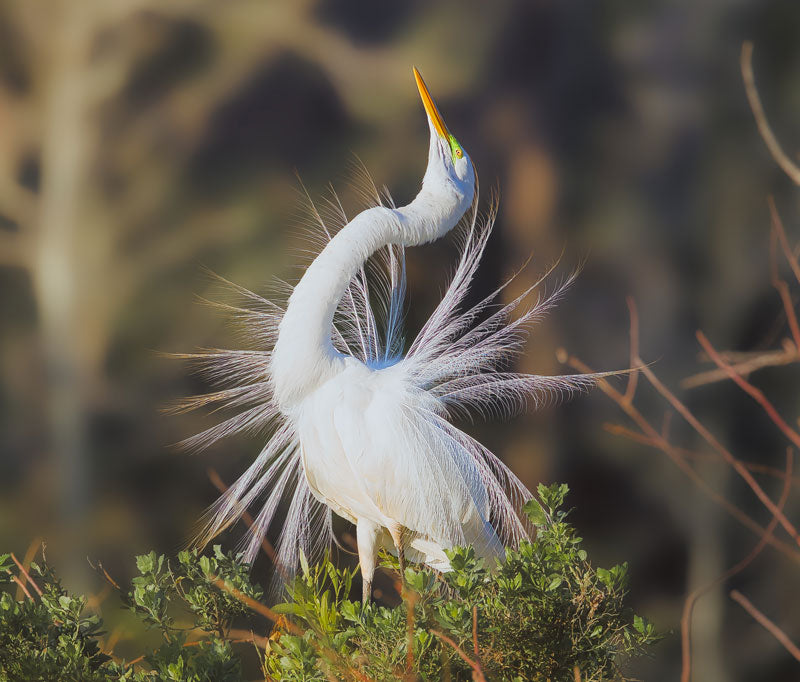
773,629
777,234
758,361
716,445
23,572
691,600
752,391
630,434
477,672
633,378
777,225
786,164
668,449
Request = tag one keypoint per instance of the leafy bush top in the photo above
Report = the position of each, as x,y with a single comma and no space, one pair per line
536,616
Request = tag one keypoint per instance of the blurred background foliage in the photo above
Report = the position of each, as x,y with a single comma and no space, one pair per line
142,141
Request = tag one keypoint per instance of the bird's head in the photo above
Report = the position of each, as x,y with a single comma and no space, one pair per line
449,166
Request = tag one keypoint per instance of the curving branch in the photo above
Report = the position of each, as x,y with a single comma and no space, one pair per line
786,164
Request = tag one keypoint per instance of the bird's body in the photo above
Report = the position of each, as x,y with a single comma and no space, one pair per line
359,427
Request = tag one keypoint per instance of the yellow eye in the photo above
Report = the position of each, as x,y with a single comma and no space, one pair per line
459,153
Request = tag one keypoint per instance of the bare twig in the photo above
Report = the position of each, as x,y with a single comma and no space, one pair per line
477,671
630,434
475,632
773,629
786,164
26,560
23,572
716,445
22,587
691,599
668,449
249,636
752,391
633,377
256,606
774,358
790,255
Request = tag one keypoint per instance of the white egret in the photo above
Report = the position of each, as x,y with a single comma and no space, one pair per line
358,427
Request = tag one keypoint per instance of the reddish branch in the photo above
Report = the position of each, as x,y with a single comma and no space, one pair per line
660,442
716,445
773,629
477,671
24,572
774,147
691,600
630,434
633,377
777,226
752,391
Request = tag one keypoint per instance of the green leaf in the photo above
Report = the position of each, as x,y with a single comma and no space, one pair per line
555,581
304,563
535,513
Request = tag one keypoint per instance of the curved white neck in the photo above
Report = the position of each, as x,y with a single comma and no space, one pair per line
304,357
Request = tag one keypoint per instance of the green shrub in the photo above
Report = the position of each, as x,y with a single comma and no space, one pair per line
537,616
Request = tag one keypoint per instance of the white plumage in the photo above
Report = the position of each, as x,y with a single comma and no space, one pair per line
355,426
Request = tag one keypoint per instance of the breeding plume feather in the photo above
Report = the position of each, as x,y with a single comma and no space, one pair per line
359,426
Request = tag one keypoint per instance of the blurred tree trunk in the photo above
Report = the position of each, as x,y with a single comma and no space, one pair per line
57,261
706,563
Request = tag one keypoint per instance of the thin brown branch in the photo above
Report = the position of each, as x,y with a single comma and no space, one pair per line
790,254
633,377
23,572
477,671
475,632
693,597
773,629
630,434
716,445
777,282
774,358
21,585
27,558
752,391
786,164
219,484
256,606
249,636
668,449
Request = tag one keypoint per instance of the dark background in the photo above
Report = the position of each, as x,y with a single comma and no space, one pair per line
143,141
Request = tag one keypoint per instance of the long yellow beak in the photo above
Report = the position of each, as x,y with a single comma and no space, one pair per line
430,106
